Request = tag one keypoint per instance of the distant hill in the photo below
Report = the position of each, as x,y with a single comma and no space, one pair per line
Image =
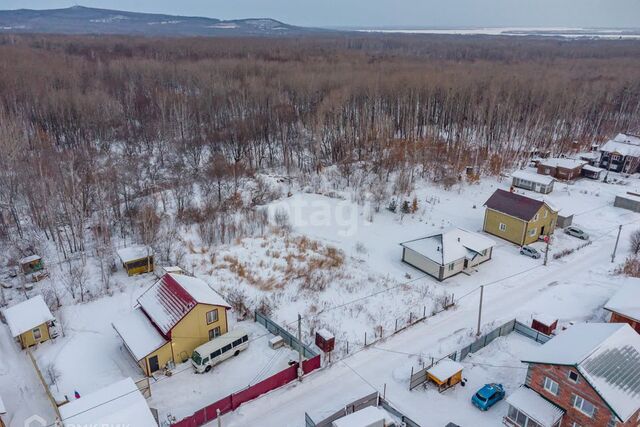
85,20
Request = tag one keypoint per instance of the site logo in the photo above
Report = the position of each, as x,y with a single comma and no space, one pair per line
35,421
343,217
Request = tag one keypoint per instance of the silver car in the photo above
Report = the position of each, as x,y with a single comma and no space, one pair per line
529,251
576,232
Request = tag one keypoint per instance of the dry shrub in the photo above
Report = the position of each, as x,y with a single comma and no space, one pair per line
631,267
238,301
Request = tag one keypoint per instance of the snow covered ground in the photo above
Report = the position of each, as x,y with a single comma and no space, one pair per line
340,267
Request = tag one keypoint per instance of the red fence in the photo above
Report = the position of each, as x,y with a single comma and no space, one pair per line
234,400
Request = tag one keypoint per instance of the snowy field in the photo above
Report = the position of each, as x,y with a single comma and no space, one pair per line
339,266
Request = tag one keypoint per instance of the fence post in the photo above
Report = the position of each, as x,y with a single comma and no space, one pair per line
396,330
365,339
424,311
347,347
410,317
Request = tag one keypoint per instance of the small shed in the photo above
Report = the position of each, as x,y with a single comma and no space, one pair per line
30,321
325,340
565,219
545,324
136,259
445,374
628,200
592,172
172,269
31,264
532,181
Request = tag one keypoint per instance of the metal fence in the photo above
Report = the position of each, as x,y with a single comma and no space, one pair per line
288,338
420,377
538,336
373,399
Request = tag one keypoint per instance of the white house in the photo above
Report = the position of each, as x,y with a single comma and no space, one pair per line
532,181
445,254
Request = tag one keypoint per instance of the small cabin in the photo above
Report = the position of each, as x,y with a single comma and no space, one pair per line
629,200
592,172
532,181
545,324
171,269
136,259
445,374
31,264
30,321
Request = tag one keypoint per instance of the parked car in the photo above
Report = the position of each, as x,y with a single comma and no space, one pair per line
488,396
576,232
529,251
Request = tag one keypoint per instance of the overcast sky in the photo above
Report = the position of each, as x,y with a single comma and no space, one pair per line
376,13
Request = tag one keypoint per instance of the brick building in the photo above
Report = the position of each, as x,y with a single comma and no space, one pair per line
587,376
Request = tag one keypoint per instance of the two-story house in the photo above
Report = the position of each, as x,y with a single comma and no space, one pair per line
587,376
621,154
173,317
518,219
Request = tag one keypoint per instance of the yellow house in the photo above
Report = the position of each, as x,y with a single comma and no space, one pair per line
29,321
518,219
136,259
174,316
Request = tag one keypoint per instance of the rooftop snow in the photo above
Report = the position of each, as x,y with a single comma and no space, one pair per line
515,205
29,259
365,417
325,334
626,302
451,245
27,315
545,319
629,196
607,355
560,162
134,253
533,177
535,406
445,369
592,168
120,404
170,299
138,334
626,145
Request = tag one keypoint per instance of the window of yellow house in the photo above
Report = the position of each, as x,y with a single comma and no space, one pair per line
533,232
535,218
213,333
502,227
37,334
546,212
212,316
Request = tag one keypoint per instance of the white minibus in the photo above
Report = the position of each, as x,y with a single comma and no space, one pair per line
219,349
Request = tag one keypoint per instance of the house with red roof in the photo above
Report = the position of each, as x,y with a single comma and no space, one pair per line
174,316
517,218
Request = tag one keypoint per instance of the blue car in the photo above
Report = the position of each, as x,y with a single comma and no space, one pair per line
488,396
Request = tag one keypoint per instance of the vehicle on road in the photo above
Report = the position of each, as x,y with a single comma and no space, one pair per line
529,251
219,349
487,396
576,232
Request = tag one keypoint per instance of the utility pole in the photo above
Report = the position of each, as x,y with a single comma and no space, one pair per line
546,251
615,248
218,417
480,309
300,347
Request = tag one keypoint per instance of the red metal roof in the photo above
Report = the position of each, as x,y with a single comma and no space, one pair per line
166,303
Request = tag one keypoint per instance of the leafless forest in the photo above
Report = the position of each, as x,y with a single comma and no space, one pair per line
91,127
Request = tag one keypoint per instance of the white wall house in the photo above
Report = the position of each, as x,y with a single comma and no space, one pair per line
532,181
445,254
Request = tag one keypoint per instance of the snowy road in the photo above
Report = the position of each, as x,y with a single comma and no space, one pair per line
575,286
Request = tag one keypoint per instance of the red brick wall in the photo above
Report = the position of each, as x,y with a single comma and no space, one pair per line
567,388
616,318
